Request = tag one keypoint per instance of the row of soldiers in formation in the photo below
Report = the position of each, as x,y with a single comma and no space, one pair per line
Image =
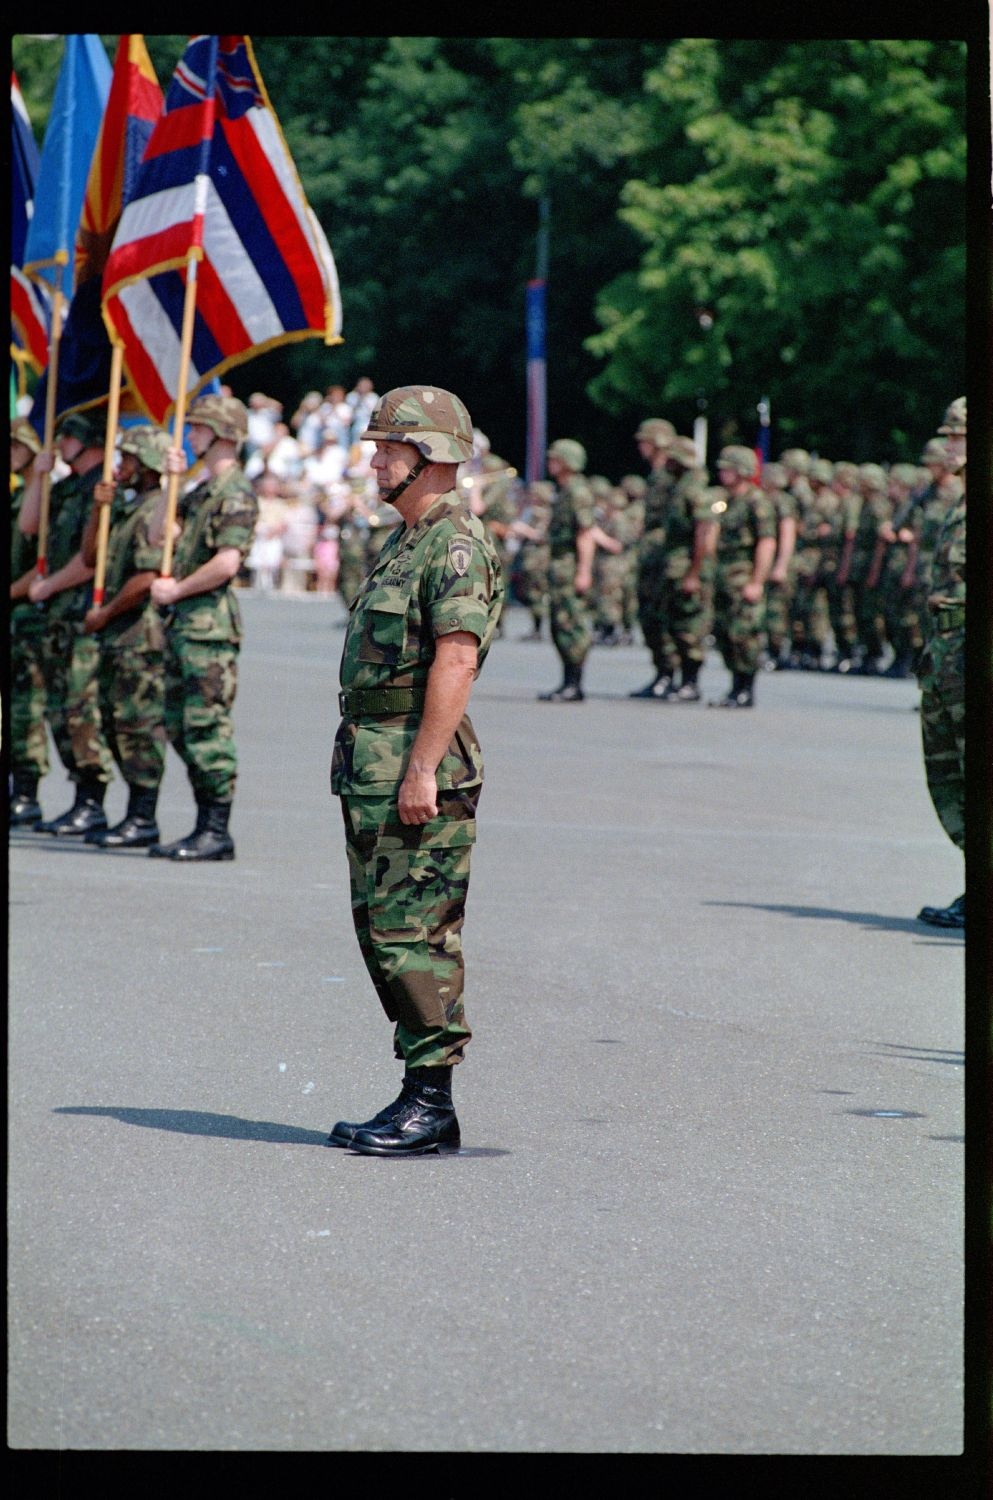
155,661
837,555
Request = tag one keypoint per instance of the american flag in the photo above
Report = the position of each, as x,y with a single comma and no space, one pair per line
217,182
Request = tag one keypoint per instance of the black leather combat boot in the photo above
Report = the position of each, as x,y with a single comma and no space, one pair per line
212,841
424,1122
166,851
742,694
570,690
944,916
86,813
343,1133
25,809
138,828
659,687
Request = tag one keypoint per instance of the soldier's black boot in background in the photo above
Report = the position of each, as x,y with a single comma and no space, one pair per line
570,691
424,1121
166,851
688,690
25,809
86,813
944,916
343,1133
137,829
659,687
212,841
742,694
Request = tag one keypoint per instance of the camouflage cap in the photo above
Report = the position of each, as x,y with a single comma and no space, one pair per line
148,444
433,421
872,476
21,431
935,452
655,430
226,416
572,454
740,459
822,470
797,459
954,423
683,451
89,427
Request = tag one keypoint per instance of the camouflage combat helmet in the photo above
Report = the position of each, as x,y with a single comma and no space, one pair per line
774,475
822,470
935,452
872,477
601,486
21,431
738,458
845,472
905,474
148,444
89,427
572,454
433,421
954,423
655,430
797,459
634,486
683,451
226,416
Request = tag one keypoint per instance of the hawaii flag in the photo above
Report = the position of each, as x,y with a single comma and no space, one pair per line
218,183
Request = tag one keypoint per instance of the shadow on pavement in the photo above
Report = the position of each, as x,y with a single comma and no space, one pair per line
199,1122
868,919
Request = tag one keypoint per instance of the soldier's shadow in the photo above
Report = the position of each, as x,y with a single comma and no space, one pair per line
872,921
201,1122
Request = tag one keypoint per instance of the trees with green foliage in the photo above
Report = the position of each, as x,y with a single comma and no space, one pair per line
808,195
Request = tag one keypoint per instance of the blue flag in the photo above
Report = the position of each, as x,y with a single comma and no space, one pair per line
73,126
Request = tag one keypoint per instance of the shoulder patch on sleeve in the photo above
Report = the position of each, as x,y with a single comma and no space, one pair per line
460,554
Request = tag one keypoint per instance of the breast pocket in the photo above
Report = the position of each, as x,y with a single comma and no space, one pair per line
384,626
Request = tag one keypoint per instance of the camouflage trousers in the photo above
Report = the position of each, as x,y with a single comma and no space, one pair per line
808,607
28,731
778,617
739,626
901,617
943,730
610,583
572,631
408,888
201,679
867,606
69,664
531,578
131,686
653,598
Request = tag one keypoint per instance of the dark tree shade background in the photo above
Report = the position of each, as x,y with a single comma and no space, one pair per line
808,195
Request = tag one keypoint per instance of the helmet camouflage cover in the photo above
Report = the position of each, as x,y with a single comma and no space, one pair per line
21,431
872,476
434,421
905,474
655,430
89,427
774,475
683,450
572,454
935,452
954,423
226,416
822,470
796,458
148,444
739,458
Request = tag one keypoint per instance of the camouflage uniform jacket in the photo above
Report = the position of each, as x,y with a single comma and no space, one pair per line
573,510
26,619
70,503
687,504
433,578
219,512
744,520
130,551
946,614
656,500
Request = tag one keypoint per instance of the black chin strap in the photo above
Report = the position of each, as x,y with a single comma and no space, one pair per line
415,472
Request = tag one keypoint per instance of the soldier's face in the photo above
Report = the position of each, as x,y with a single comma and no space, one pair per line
391,463
69,447
199,437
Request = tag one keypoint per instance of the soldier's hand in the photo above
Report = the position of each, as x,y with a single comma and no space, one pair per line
38,590
164,591
103,493
94,620
753,592
175,461
583,580
690,584
418,799
44,461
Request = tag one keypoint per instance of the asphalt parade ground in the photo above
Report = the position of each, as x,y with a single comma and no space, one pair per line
710,1196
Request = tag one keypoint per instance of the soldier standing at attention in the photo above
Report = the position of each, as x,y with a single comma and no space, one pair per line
69,658
531,562
128,631
687,586
779,590
28,733
654,438
746,546
942,672
572,543
406,762
203,622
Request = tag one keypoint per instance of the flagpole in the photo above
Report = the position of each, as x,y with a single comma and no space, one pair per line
103,525
179,419
61,260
